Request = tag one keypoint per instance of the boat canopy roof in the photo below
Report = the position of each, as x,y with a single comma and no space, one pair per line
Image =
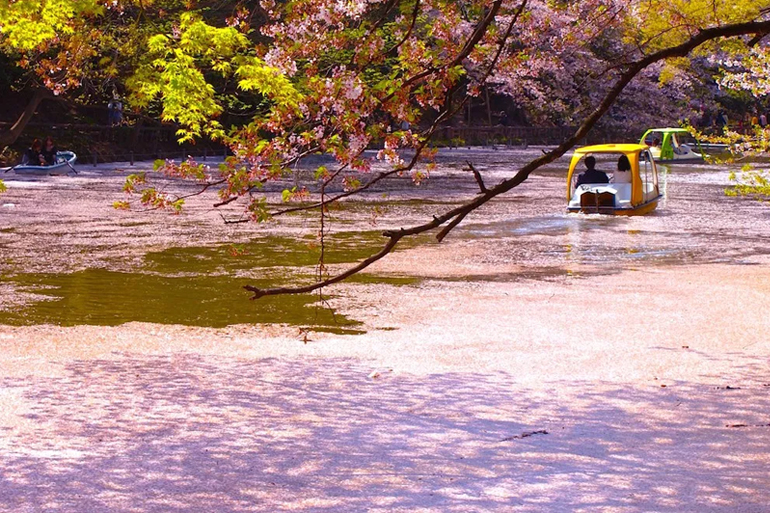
611,148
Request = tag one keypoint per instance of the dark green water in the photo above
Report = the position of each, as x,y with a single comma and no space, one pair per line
197,286
107,298
268,252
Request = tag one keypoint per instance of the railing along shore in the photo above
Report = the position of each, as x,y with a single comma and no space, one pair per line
97,144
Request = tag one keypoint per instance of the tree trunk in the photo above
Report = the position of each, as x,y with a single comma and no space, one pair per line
470,102
489,105
10,136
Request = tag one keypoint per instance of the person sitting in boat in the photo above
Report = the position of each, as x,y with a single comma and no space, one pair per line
655,142
679,149
49,151
623,174
34,155
591,174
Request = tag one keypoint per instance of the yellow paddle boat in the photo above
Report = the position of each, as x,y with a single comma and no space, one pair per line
672,145
616,179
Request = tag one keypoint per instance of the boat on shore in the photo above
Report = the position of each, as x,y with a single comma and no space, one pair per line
631,191
672,145
65,162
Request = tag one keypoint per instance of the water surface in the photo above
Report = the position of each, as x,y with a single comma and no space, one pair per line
198,286
695,223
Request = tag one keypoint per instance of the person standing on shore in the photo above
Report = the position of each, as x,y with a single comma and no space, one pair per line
115,111
722,120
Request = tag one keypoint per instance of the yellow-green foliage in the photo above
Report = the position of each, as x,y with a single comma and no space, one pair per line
664,23
671,69
750,182
670,22
255,75
175,74
25,24
3,188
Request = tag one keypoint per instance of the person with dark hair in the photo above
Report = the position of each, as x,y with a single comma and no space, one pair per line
591,174
33,156
49,151
623,175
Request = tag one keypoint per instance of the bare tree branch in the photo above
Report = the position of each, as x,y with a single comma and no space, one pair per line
203,188
477,176
754,41
383,174
258,293
446,113
470,44
409,31
457,214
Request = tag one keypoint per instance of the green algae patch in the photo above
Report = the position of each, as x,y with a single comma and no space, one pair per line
266,252
108,298
199,286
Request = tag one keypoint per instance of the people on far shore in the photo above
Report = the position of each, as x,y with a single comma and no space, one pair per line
33,156
115,111
722,120
591,174
49,151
